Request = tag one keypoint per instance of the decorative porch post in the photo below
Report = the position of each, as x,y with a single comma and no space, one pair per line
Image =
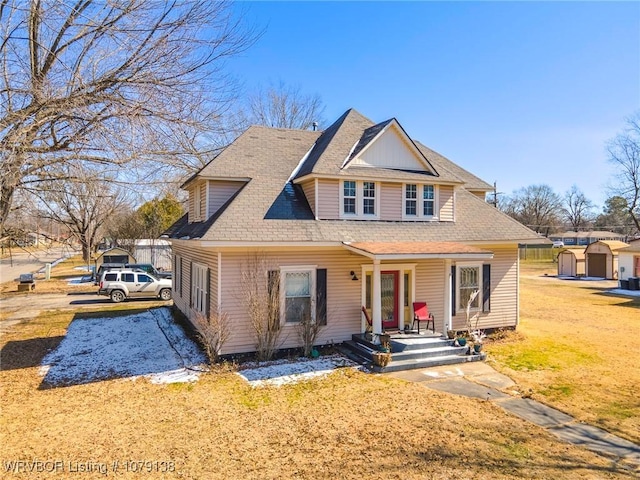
446,320
376,299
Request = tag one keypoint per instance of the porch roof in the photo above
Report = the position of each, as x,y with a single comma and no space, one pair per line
418,250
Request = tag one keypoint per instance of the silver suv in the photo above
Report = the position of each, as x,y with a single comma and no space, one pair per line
123,284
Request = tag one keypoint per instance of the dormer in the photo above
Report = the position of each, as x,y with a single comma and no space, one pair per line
208,195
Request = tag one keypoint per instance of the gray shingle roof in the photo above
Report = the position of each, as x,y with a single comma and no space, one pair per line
269,209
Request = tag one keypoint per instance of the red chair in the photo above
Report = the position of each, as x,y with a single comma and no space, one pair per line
421,314
368,319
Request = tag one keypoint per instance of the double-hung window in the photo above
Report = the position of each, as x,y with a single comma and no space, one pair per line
368,198
349,197
298,293
410,200
428,200
199,284
469,281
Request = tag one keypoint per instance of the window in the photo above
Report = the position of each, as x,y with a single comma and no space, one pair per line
199,285
369,198
110,277
359,199
143,278
410,199
298,293
349,197
636,261
406,289
128,277
420,201
428,200
469,281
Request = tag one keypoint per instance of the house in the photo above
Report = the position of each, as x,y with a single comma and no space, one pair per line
571,262
357,215
584,238
602,258
629,261
155,251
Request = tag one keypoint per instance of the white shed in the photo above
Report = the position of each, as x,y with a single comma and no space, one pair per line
571,262
629,261
602,258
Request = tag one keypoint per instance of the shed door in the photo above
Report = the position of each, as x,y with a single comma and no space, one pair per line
597,265
566,264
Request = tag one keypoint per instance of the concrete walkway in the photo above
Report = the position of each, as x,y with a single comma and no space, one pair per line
479,380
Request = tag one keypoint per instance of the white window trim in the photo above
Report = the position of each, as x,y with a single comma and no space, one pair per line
462,309
420,216
197,203
297,269
199,288
360,215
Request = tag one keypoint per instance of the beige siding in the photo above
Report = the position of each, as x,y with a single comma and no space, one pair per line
203,201
191,210
445,193
328,199
391,203
504,288
344,295
221,191
309,189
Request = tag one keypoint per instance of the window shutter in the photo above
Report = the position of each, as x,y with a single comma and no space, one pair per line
486,287
181,276
453,291
321,296
190,284
273,290
208,299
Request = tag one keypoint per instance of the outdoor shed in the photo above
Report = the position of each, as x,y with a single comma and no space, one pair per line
571,262
114,255
602,258
629,261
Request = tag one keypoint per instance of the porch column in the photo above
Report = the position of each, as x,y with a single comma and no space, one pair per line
446,320
376,300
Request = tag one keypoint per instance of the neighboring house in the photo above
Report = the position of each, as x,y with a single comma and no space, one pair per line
357,215
629,261
584,238
571,262
602,258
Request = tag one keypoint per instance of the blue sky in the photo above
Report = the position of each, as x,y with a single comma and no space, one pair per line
519,93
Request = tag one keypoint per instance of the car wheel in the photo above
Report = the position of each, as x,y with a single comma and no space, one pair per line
117,296
165,294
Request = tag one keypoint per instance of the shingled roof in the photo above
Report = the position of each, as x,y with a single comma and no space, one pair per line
270,208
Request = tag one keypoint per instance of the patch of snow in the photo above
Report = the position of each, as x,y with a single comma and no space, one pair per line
286,372
628,293
80,280
146,344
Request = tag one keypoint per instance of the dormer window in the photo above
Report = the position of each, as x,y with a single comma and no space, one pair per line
419,202
359,199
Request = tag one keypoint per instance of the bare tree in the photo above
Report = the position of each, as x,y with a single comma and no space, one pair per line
284,106
260,292
82,206
624,154
577,209
112,82
214,333
536,206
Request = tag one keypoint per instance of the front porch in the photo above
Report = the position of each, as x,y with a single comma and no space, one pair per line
410,351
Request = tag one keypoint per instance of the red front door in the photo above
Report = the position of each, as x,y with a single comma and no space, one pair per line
389,297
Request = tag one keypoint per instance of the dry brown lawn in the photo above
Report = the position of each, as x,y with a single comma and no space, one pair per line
349,425
575,349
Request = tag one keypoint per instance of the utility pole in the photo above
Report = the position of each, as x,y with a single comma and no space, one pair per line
495,195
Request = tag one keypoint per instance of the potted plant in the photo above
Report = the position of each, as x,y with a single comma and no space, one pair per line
382,357
478,337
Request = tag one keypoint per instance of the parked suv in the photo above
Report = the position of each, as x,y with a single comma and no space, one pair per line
129,283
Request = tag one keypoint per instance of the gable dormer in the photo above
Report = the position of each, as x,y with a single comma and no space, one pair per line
208,196
388,146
